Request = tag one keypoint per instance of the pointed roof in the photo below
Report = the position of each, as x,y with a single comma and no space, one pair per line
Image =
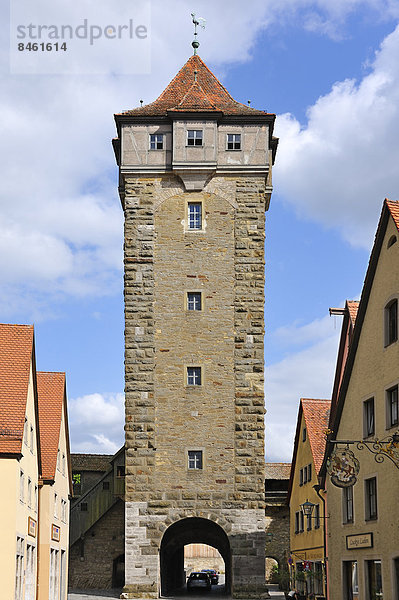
316,413
390,209
195,88
16,354
51,396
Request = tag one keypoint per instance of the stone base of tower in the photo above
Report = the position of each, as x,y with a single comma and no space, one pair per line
156,534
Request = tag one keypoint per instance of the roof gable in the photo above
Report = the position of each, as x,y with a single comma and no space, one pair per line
16,356
51,395
316,415
194,88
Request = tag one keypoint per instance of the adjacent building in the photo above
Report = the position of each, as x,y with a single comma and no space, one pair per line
308,550
363,524
195,182
33,432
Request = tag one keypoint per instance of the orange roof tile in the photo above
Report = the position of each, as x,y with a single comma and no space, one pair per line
51,394
316,414
195,88
352,306
16,348
393,206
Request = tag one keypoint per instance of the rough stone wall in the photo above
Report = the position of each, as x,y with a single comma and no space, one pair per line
102,544
278,533
226,416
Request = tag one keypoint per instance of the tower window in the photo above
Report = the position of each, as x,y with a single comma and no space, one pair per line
194,301
194,215
195,459
193,375
391,322
156,141
234,141
194,137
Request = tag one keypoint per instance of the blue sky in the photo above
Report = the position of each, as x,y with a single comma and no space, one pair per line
330,72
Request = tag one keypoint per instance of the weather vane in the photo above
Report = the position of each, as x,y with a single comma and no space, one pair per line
200,22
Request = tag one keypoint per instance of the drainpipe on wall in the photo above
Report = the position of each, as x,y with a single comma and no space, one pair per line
317,489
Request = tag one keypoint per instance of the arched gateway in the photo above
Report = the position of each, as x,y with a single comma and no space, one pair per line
190,531
195,181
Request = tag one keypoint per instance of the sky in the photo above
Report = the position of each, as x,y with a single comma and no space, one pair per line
329,69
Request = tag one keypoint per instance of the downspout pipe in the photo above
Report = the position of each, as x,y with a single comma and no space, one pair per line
317,488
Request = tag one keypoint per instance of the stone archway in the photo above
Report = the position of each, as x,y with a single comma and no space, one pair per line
188,531
271,569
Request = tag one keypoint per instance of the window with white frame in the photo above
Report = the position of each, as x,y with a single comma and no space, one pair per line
29,492
347,504
63,463
195,459
391,322
58,460
194,376
26,432
371,498
19,571
55,505
392,406
31,439
36,499
194,137
156,141
194,301
194,210
234,141
368,418
21,485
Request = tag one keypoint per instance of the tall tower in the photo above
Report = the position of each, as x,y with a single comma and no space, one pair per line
195,181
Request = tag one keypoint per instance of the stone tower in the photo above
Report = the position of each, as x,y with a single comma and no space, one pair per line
195,181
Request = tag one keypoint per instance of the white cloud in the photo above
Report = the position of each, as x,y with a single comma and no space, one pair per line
96,423
307,373
340,166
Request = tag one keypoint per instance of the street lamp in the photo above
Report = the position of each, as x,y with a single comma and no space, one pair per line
307,508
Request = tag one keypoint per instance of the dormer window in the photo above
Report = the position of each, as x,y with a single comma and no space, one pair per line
156,141
234,141
194,137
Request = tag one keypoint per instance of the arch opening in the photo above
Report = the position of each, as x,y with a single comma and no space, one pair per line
193,530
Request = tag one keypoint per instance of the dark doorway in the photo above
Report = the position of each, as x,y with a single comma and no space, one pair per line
118,571
190,531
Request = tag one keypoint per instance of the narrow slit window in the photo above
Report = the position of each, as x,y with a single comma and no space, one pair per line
368,415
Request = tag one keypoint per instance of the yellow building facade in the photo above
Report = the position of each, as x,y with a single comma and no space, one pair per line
363,528
307,542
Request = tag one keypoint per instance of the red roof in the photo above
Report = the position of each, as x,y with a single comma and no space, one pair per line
316,414
195,88
393,206
51,394
16,347
352,306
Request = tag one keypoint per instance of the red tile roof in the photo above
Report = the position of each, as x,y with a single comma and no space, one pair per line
316,414
16,347
393,206
352,306
51,394
195,88
277,470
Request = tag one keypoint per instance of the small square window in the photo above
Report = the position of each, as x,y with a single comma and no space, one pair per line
234,141
195,459
392,406
391,322
193,375
194,137
156,141
194,301
120,471
83,506
194,215
368,418
105,485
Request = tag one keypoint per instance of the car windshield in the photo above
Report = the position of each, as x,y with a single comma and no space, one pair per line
198,576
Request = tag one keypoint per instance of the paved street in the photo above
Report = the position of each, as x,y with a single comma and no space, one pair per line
216,591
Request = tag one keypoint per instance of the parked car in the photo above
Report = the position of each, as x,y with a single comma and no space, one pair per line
201,580
213,575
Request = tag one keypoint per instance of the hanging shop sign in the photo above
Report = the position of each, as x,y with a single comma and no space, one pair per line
343,468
